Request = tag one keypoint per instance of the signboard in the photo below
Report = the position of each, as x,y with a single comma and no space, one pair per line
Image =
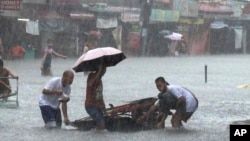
106,22
164,15
130,17
10,4
187,8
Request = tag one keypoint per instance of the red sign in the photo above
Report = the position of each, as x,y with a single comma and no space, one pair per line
10,4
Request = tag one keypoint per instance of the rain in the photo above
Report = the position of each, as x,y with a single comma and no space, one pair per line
202,45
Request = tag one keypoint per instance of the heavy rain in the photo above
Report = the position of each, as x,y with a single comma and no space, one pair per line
201,45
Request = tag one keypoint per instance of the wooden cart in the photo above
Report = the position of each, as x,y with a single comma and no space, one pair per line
123,117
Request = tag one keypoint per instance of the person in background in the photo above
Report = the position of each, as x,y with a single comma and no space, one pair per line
91,43
17,51
56,92
47,58
172,97
94,103
181,48
5,87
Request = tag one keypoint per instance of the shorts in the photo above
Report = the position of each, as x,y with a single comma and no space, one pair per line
47,63
96,114
181,109
51,115
181,113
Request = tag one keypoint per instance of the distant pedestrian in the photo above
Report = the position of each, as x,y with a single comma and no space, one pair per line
91,43
17,51
181,48
47,58
56,92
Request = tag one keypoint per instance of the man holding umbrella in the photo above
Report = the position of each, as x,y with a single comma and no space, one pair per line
96,61
94,103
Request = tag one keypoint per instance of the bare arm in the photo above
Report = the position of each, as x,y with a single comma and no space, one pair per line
85,49
180,101
152,109
161,120
59,55
50,92
11,73
94,77
65,113
6,86
146,116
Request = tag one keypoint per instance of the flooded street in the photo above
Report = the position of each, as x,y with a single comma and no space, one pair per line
220,102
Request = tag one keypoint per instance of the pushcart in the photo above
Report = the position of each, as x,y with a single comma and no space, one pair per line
123,117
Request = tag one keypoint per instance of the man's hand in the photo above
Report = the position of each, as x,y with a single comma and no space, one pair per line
58,92
160,125
16,77
141,119
66,121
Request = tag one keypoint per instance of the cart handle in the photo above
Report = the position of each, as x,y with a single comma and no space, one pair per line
10,77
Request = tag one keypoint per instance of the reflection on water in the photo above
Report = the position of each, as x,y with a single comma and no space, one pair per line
220,102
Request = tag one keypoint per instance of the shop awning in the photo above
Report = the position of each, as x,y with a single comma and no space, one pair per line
218,24
215,8
82,16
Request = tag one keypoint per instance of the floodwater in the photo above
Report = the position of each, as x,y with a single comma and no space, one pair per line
220,102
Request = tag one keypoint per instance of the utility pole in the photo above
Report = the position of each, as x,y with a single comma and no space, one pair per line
146,7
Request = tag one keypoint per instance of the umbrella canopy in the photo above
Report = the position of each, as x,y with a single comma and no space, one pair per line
165,32
91,60
174,36
96,34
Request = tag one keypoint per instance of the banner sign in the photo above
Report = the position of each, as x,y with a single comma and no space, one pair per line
130,17
106,22
187,8
10,4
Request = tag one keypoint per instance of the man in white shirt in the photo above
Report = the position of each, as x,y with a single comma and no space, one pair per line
172,97
56,91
